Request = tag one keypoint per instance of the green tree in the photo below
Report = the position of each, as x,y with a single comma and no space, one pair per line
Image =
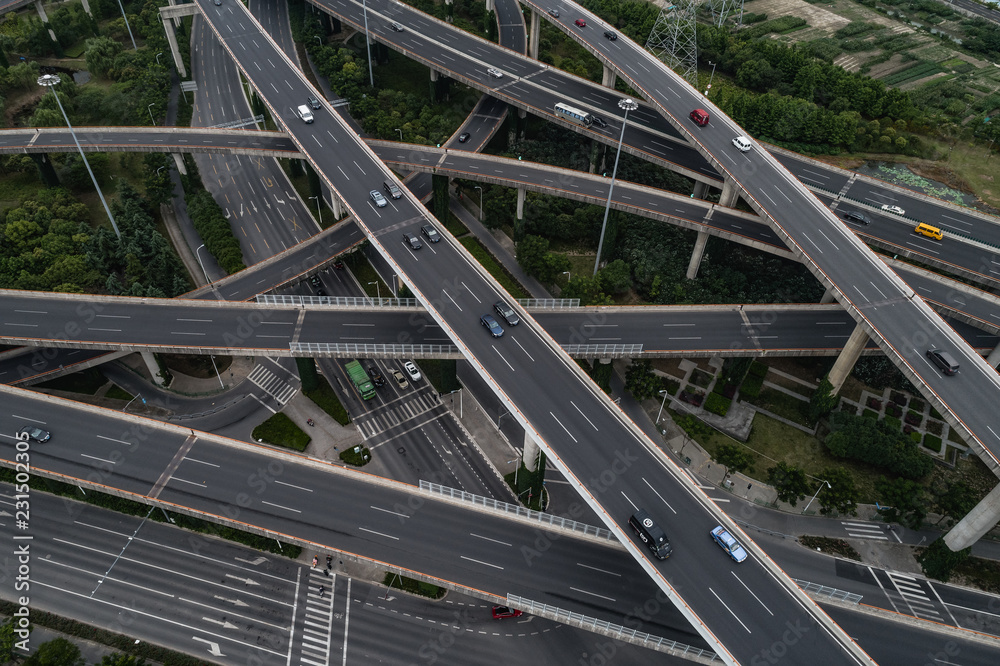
956,501
531,253
100,54
790,482
57,652
7,641
159,187
841,496
822,402
876,443
903,500
734,458
640,380
119,659
939,562
615,278
588,290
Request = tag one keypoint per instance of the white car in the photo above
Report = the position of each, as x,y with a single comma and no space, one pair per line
742,143
893,209
412,371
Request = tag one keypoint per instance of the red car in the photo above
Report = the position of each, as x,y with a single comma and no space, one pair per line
581,23
501,612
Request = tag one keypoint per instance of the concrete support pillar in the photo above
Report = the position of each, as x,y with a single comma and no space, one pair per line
44,18
533,34
86,8
531,451
976,523
179,163
827,297
994,356
699,249
435,75
700,190
336,205
490,5
179,19
730,193
609,77
845,362
520,203
174,49
153,367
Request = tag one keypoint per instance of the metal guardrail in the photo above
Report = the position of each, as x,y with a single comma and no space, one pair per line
616,631
549,303
604,351
828,592
342,301
374,350
518,510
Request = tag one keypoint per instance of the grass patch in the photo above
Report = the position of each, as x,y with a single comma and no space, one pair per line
87,382
363,271
700,378
832,546
397,582
455,226
279,430
359,456
326,399
493,267
441,373
118,393
783,405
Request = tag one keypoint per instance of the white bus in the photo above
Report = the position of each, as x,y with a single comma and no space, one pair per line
574,115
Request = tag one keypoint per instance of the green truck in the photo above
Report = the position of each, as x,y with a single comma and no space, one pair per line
360,380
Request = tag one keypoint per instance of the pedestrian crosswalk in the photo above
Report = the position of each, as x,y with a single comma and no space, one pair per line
270,383
865,530
385,418
317,623
912,593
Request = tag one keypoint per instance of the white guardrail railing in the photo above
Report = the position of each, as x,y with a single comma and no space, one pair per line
832,593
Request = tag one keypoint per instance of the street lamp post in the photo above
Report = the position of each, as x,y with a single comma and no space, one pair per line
660,413
159,170
480,202
318,210
127,26
569,277
49,81
150,109
827,484
378,291
319,39
626,105
711,78
371,77
400,133
158,58
198,253
137,395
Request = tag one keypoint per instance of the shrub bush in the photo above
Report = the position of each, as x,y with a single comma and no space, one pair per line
932,443
692,398
916,437
897,398
869,414
875,404
717,404
280,430
893,423
758,369
934,427
917,405
358,458
914,418
893,410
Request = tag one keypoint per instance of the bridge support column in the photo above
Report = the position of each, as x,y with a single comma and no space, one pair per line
177,20
536,24
700,190
699,249
44,18
434,75
609,77
827,297
153,367
994,356
520,205
845,362
336,205
976,523
730,193
490,5
174,50
531,453
86,8
179,163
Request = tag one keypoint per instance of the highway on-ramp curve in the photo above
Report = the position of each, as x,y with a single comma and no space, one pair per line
742,610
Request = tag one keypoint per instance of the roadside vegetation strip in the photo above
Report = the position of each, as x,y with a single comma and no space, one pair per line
326,399
280,430
395,581
493,267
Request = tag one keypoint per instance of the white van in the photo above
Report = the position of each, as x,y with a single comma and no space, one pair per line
305,114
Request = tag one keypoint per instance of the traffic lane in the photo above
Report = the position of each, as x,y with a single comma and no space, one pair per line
481,551
41,360
813,172
97,446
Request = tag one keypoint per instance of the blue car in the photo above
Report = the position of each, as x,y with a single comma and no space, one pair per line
729,544
491,325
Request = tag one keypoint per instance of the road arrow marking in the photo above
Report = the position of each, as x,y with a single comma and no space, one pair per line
221,623
246,581
214,651
256,562
235,602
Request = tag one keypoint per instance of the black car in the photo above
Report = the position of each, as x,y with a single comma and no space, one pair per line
396,27
491,325
854,216
431,233
463,137
313,102
610,35
412,240
376,376
600,122
314,280
34,434
507,313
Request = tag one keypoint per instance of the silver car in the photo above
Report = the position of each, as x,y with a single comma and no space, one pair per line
378,198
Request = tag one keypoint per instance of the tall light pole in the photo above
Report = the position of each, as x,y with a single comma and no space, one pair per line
827,484
378,291
371,77
158,58
626,105
50,81
660,413
711,78
318,210
127,26
569,277
480,202
198,253
150,109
